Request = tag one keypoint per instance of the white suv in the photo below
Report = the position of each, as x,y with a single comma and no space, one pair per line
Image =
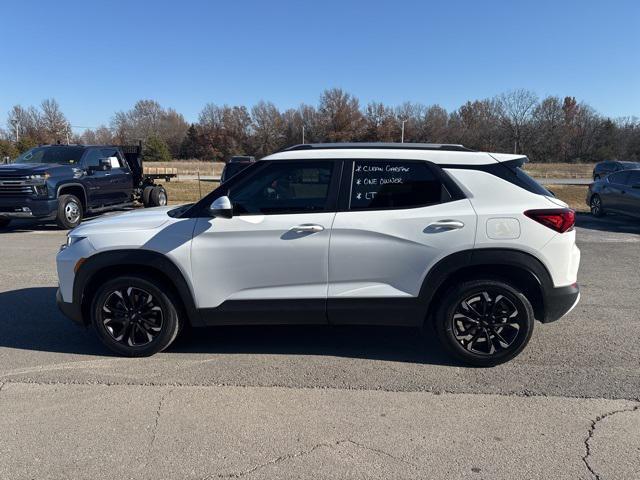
384,234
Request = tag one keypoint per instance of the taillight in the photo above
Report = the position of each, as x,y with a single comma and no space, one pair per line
559,219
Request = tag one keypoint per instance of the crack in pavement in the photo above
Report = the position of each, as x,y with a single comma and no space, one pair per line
302,453
432,391
590,434
154,432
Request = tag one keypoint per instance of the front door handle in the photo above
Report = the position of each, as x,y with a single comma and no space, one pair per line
307,228
446,225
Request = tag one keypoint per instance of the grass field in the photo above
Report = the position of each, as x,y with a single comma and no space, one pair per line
573,195
537,170
559,170
188,191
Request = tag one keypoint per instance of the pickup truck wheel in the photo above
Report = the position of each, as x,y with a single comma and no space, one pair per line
69,212
158,197
134,317
146,194
4,222
484,322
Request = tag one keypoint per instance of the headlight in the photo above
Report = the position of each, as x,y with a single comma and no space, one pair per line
71,239
38,179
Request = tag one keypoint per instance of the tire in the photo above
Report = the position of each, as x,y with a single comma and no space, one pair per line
146,193
488,345
70,212
4,222
158,197
133,334
596,177
595,204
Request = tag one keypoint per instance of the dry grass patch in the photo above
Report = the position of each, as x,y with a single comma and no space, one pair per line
573,195
559,170
188,191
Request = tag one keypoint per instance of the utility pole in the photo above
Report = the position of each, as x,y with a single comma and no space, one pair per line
402,137
303,134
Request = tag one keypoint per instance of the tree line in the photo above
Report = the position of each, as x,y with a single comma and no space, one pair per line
551,129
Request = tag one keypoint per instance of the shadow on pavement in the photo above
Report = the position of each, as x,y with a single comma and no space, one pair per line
30,320
608,223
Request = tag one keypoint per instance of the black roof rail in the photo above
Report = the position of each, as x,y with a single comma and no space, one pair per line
446,147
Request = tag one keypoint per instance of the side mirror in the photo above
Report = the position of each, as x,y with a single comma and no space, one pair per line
221,207
105,164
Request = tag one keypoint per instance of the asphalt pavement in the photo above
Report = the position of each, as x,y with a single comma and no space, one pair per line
321,402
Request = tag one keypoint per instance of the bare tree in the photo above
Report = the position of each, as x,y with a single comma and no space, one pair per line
339,116
381,124
268,129
516,112
55,125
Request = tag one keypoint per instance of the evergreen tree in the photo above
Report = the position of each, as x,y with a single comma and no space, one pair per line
156,150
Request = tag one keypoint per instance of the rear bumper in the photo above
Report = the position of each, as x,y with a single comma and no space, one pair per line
70,310
560,301
26,207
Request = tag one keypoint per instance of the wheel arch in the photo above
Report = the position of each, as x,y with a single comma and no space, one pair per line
76,189
102,266
516,267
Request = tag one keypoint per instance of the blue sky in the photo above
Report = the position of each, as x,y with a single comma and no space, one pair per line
97,57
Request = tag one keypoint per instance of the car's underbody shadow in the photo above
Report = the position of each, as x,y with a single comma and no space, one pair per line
30,320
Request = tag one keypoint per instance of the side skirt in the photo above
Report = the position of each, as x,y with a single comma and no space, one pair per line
343,311
267,312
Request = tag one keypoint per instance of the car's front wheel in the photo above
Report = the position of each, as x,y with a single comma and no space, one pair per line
134,317
484,322
596,206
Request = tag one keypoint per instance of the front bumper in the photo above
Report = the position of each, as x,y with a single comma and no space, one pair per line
28,207
70,310
560,301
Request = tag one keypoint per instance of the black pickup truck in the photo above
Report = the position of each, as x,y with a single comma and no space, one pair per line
66,182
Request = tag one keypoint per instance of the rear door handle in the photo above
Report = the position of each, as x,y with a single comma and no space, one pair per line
447,224
307,228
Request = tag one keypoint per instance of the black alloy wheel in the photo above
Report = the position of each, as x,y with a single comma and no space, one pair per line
134,317
596,206
485,322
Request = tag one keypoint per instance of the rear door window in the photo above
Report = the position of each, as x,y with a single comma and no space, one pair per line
386,184
619,178
634,179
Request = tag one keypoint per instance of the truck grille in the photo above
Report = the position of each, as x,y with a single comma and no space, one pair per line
15,187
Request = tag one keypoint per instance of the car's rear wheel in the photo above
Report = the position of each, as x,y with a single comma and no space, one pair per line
484,322
4,222
596,206
158,197
134,317
146,194
70,212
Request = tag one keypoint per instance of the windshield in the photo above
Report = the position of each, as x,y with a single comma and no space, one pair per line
61,155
